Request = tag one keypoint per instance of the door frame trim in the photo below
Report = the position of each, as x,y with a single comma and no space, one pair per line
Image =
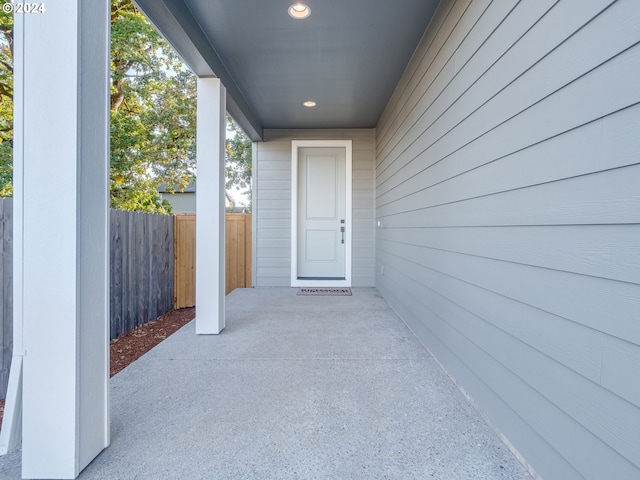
295,146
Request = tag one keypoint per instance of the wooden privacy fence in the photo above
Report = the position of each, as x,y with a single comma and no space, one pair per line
185,260
6,291
238,251
237,261
141,268
141,274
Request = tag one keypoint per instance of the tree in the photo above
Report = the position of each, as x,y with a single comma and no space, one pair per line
153,115
153,112
238,151
6,104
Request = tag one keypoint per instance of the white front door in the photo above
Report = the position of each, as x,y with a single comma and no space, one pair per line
322,214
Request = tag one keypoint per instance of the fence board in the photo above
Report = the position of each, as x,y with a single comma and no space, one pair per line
232,257
237,258
6,291
115,300
141,268
238,251
185,260
248,251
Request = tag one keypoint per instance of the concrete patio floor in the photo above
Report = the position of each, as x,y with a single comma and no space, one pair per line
295,387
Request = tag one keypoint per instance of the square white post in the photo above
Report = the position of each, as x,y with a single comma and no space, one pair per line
62,260
210,218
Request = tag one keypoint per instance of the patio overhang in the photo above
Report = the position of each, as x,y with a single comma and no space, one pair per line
346,56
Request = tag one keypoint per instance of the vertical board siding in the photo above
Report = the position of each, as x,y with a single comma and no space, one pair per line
6,291
272,204
141,269
507,175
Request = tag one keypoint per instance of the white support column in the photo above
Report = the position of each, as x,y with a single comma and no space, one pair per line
210,219
62,255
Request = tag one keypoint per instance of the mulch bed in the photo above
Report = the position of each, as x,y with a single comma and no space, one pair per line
127,348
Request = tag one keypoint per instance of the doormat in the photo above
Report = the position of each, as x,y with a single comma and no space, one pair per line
324,291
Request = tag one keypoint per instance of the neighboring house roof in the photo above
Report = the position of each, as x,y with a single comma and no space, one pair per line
190,188
184,200
347,56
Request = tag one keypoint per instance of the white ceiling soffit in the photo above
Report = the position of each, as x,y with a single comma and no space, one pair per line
347,56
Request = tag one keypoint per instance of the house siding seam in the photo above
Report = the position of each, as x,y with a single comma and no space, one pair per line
272,204
507,176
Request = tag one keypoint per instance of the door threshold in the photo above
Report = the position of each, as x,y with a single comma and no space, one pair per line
321,278
321,282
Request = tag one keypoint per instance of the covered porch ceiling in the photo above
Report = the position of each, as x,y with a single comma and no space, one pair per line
347,56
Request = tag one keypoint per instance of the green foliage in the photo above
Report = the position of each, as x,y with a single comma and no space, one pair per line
153,116
6,169
6,104
143,197
238,151
153,112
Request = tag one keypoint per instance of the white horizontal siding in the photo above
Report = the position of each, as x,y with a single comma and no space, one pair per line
272,204
507,191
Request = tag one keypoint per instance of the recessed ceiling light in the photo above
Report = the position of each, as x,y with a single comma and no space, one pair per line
309,103
299,11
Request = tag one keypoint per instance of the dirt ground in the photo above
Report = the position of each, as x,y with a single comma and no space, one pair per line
129,347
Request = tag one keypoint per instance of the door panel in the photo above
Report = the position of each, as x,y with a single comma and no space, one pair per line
321,246
321,209
320,183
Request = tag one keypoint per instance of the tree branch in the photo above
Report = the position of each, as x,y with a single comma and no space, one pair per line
7,65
